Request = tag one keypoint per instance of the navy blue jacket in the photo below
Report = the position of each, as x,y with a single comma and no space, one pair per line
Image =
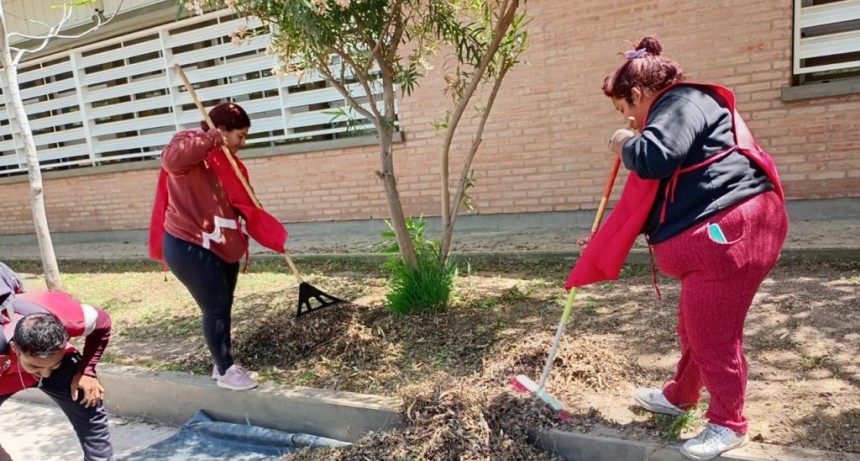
686,126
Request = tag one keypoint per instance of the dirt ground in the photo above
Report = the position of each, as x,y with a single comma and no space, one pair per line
802,340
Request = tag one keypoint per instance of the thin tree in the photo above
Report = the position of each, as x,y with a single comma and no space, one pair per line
10,58
499,38
378,46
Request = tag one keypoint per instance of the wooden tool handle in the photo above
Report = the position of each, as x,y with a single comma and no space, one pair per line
292,265
232,161
607,189
212,126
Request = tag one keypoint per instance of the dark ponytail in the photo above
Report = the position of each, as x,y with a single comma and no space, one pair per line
229,115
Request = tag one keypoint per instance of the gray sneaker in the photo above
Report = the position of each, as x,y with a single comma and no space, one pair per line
712,441
652,399
215,373
236,378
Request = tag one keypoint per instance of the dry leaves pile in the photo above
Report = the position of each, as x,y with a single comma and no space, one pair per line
478,417
454,423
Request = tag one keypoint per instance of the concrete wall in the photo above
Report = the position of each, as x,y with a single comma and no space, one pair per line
544,147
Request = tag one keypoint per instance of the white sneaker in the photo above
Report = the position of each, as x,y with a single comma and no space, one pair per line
712,441
652,399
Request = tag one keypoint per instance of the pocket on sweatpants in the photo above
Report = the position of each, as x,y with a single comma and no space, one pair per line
725,229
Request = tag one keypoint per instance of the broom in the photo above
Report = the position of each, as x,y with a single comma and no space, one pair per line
523,383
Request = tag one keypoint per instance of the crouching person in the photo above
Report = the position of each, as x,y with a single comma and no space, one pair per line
35,352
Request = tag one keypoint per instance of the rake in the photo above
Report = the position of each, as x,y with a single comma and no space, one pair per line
311,299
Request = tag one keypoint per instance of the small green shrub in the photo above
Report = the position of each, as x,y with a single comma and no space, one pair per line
426,289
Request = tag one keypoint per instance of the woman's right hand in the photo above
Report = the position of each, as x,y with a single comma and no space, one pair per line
583,242
215,136
621,135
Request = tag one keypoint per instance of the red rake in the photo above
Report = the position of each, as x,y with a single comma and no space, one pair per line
311,299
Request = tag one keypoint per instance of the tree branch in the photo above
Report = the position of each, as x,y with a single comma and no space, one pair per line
376,46
476,141
398,34
339,86
345,57
502,25
54,32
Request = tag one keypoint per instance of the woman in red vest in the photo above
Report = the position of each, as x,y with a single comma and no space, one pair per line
196,229
717,224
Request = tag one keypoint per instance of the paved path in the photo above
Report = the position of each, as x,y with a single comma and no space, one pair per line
35,432
838,234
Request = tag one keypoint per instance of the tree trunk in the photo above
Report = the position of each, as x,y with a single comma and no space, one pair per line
451,209
392,196
386,158
37,197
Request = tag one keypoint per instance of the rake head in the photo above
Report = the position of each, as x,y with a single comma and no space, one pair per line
312,299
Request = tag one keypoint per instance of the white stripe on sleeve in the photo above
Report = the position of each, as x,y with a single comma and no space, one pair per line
90,317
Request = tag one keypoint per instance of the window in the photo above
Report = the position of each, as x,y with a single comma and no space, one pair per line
120,100
826,40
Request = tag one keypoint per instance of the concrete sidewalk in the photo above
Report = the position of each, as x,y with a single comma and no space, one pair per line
34,431
819,228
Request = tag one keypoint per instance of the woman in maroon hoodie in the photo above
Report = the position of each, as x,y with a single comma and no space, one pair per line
717,224
202,240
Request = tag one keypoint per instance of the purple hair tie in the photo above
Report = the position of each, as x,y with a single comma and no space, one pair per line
633,54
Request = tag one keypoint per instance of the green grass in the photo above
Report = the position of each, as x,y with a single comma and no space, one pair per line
591,306
671,427
426,289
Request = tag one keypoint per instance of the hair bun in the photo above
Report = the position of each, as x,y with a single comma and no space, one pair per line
651,45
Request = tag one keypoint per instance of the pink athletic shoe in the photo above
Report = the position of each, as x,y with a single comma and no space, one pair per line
236,378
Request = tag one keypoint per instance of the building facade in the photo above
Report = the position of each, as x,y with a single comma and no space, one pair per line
103,105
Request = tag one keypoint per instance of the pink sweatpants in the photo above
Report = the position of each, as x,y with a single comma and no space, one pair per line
718,283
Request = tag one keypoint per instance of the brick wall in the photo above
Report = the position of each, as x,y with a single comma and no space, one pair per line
544,146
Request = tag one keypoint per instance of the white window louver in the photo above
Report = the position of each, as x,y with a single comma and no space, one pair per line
826,36
120,100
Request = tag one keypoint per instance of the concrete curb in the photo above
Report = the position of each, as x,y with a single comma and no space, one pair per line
172,398
572,446
348,416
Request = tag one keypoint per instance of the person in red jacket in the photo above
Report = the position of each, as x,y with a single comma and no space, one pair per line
717,224
202,241
35,352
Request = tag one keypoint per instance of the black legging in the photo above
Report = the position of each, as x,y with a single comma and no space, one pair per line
211,281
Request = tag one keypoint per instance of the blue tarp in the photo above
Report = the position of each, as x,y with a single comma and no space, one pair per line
203,439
